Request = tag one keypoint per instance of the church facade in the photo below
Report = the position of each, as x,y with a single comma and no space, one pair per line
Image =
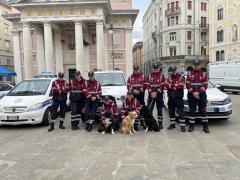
57,35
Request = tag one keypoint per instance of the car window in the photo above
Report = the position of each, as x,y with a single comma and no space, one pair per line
110,79
30,87
5,87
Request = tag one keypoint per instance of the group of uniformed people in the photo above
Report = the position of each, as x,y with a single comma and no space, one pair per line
85,95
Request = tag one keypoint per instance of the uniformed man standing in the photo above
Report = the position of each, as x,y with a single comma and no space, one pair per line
94,91
197,84
60,89
155,86
77,96
175,86
137,85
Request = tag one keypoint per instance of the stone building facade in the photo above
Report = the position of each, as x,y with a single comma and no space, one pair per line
138,54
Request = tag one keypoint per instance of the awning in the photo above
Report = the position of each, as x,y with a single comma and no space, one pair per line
6,72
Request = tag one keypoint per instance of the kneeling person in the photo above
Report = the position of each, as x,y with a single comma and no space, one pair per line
109,116
131,104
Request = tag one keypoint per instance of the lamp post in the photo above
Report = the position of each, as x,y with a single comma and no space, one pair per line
111,32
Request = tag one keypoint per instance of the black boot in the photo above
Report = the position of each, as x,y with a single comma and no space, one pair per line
191,128
89,127
205,127
136,127
61,125
172,126
86,126
51,128
183,129
160,124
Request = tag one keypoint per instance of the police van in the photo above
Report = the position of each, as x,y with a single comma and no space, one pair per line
27,103
225,75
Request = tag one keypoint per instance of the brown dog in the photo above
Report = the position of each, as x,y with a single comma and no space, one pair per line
128,123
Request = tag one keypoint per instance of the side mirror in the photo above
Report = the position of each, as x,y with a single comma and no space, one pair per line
219,86
50,94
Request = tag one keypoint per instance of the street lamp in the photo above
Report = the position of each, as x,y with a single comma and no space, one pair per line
111,32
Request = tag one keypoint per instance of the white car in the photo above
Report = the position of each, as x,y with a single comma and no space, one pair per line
219,105
113,84
27,103
4,89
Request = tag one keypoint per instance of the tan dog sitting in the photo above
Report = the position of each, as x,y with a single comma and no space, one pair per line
128,123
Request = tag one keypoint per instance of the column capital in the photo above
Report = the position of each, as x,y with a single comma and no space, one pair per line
26,24
16,32
78,21
46,23
99,22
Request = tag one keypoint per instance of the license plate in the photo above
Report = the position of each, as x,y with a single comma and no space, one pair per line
210,109
12,118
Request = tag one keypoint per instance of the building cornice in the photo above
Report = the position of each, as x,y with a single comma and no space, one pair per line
5,4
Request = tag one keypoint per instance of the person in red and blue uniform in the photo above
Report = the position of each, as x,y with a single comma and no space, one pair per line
175,90
137,85
94,92
78,91
131,104
155,87
110,110
60,89
197,84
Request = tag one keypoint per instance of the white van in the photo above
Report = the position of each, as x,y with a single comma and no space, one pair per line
226,75
113,83
27,103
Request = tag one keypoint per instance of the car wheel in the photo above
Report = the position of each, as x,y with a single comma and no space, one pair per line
235,92
46,117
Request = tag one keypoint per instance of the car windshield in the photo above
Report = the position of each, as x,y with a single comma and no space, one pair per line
30,88
110,79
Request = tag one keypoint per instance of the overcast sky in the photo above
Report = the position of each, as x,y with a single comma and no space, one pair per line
142,5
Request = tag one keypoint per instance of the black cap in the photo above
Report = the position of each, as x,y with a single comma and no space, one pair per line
77,73
174,68
107,98
129,93
135,67
155,66
60,74
91,74
196,62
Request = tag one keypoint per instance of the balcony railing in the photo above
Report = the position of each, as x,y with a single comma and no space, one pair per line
187,57
204,26
172,11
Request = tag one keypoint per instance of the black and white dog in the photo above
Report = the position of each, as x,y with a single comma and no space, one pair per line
109,124
151,123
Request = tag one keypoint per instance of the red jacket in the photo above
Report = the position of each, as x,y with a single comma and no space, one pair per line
109,108
156,82
93,89
175,85
78,89
129,106
197,81
136,82
60,88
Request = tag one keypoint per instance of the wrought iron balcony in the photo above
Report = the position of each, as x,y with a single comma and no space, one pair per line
173,12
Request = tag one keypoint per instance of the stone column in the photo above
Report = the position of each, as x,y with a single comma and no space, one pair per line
40,52
100,46
79,46
58,51
48,40
17,56
128,51
27,50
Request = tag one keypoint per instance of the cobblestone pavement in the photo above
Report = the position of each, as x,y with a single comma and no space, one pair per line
31,153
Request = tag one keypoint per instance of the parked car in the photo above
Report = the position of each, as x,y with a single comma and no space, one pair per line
219,105
27,103
226,75
4,89
113,84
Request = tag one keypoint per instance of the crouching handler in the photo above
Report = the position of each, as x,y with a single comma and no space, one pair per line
131,104
60,88
109,116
